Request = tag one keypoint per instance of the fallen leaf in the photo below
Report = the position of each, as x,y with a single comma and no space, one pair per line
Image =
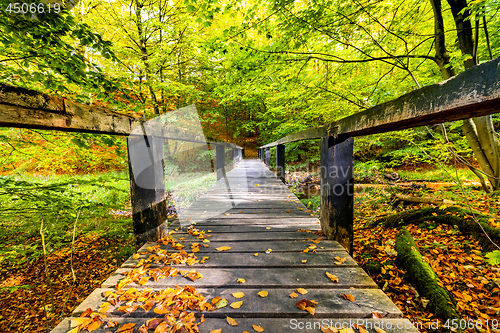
293,295
236,305
238,294
215,300
348,297
240,280
332,277
222,303
231,321
80,321
263,293
223,248
329,329
74,330
377,315
379,330
125,327
216,331
258,328
92,327
256,254
302,291
304,261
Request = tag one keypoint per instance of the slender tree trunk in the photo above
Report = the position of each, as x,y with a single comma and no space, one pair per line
479,131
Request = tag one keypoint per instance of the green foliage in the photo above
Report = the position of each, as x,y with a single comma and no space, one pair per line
493,257
26,201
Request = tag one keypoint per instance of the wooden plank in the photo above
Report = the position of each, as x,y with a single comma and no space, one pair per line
472,93
256,247
274,325
279,304
263,260
270,278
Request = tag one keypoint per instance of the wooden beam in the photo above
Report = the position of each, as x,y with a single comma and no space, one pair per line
472,93
25,108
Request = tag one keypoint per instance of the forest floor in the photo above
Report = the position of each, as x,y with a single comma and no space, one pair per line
28,304
458,259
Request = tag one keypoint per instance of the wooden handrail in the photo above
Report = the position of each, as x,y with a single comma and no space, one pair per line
26,108
472,93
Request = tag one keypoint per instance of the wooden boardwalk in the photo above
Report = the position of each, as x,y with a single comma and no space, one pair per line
259,219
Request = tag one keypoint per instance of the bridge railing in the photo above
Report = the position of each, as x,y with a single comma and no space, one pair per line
473,93
147,145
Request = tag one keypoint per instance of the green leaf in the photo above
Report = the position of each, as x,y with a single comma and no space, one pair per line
493,257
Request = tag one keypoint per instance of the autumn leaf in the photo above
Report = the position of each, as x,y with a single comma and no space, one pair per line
240,280
348,297
332,277
223,248
293,295
256,254
216,331
329,329
92,327
236,305
238,294
258,328
376,315
263,293
80,321
215,300
304,261
379,330
301,291
231,321
125,327
74,330
222,303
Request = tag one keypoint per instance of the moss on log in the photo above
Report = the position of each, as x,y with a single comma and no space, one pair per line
451,216
423,277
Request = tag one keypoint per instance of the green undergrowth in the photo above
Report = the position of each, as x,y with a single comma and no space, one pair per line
59,201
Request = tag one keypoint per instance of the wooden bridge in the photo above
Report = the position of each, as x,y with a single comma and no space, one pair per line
270,240
265,241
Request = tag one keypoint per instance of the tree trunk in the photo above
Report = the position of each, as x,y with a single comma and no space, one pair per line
478,131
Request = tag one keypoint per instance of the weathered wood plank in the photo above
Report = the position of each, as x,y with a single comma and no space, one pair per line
257,247
258,277
279,304
275,325
472,93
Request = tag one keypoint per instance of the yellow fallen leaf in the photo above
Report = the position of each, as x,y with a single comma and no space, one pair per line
136,256
223,248
239,294
125,327
215,300
240,280
256,254
302,291
258,328
74,330
332,277
263,293
216,331
304,261
80,321
206,241
231,321
379,330
257,184
92,327
293,295
236,305
348,297
362,329
268,228
226,213
306,250
222,303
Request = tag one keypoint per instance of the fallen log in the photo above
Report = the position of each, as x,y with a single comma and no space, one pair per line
423,277
453,216
427,200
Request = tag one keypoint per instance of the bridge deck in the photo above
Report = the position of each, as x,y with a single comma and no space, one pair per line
255,215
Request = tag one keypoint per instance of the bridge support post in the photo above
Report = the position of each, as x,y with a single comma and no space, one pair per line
268,157
261,154
280,162
147,188
220,161
242,153
337,190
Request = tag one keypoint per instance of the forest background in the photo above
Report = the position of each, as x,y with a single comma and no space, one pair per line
256,71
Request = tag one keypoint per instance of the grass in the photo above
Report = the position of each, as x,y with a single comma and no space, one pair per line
28,200
187,187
